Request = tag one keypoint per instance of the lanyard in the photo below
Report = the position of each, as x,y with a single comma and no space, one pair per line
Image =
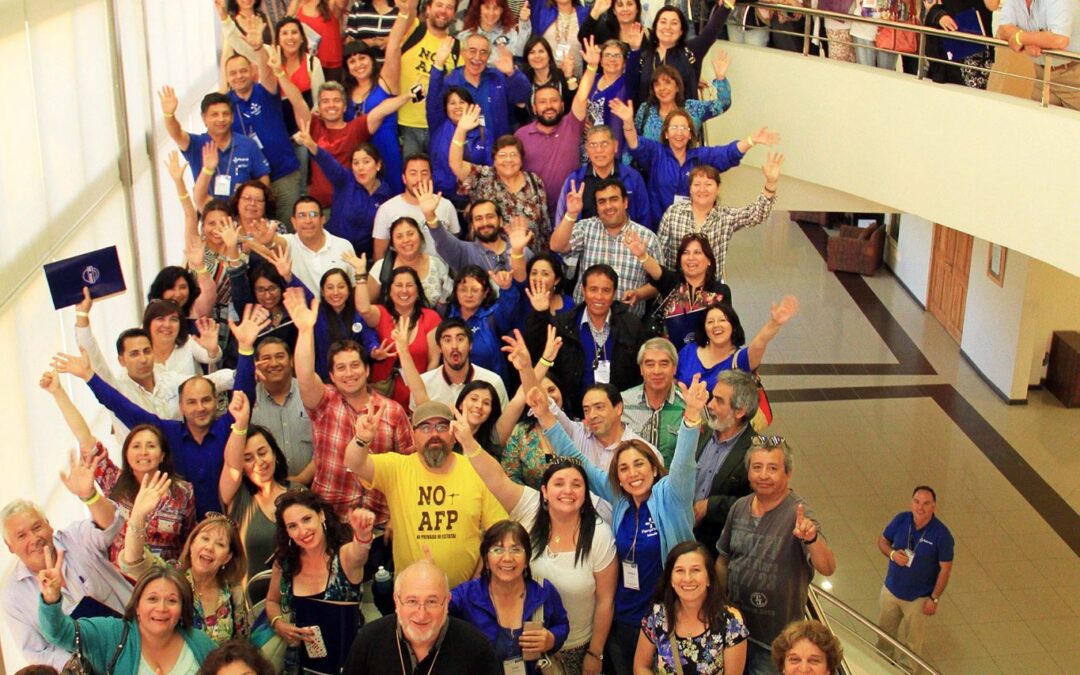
631,555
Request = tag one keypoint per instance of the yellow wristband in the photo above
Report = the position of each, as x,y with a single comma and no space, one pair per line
517,256
93,500
750,140
203,270
208,172
457,143
1016,38
170,116
691,423
476,451
591,68
279,73
238,432
275,620
183,196
245,352
546,362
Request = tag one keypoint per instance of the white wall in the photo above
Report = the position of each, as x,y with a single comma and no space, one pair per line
910,256
1051,303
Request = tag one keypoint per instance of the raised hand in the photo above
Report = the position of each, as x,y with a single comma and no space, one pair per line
539,403
367,424
194,254
282,262
264,232
240,409
501,278
358,263
525,14
470,119
720,64
519,233
256,319
230,234
504,60
427,198
362,522
696,396
788,307
153,489
86,303
590,53
50,382
635,35
539,295
51,577
175,167
599,7
463,432
303,316
303,136
385,350
400,335
253,30
632,241
79,479
274,60
771,167
210,156
948,23
805,529
552,344
567,64
169,102
575,199
79,366
446,47
630,297
765,137
624,111
517,352
208,334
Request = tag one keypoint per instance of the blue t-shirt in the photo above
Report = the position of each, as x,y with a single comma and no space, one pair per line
932,545
630,605
689,364
260,119
241,161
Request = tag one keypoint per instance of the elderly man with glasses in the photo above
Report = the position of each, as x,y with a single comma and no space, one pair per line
419,637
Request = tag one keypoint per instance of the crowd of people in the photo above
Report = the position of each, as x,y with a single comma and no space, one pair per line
453,319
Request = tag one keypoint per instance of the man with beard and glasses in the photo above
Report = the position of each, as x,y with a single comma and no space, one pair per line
417,172
444,383
490,246
425,639
721,473
602,149
439,505
553,141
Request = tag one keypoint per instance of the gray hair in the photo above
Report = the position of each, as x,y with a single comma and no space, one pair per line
658,344
330,85
744,391
16,507
600,129
765,444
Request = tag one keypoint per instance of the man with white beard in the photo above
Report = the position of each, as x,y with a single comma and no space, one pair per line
721,474
439,505
425,637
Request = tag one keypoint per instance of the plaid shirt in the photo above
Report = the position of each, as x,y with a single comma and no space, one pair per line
719,225
594,245
332,429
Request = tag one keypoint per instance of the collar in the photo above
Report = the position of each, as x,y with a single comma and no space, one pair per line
585,317
468,378
321,249
408,645
731,439
590,170
673,395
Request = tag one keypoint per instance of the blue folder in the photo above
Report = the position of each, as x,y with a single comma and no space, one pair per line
967,21
681,327
98,270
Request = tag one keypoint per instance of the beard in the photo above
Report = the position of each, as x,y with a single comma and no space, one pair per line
550,118
487,236
435,453
720,423
414,634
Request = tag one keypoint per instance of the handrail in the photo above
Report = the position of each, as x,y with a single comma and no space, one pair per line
817,593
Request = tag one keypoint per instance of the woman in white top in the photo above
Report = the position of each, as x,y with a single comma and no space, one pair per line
407,244
572,547
174,349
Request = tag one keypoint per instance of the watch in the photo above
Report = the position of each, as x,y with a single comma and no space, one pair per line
935,600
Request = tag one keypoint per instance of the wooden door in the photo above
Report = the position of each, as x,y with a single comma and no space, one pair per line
950,263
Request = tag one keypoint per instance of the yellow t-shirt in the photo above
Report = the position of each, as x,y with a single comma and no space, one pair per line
416,67
447,512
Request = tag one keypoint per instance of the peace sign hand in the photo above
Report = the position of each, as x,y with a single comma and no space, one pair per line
462,432
805,529
696,397
575,199
367,424
517,352
51,577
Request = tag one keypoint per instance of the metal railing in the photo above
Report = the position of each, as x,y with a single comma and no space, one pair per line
922,32
846,622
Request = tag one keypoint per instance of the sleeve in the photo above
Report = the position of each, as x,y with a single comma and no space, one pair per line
521,32
433,101
56,627
652,244
107,473
722,157
453,251
742,360
337,174
890,530
555,619
667,281
603,548
598,479
245,376
129,413
84,337
1060,18
26,627
946,547
358,131
199,353
560,205
700,44
752,214
645,153
578,237
135,570
703,111
684,464
448,215
457,602
640,207
100,540
239,289
512,455
505,314
723,544
518,88
735,631
241,625
259,166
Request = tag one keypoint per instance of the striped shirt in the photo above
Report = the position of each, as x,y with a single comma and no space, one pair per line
719,225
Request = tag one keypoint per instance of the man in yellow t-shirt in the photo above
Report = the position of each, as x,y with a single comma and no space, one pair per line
416,59
436,499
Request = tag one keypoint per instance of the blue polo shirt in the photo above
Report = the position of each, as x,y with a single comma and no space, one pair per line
352,211
260,119
241,161
496,96
932,545
668,178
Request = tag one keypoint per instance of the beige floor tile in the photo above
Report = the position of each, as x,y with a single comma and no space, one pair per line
1055,634
1013,574
1043,664
987,606
982,666
1068,661
1039,603
954,642
1060,572
1007,637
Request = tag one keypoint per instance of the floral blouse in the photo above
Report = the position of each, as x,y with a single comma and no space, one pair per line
702,654
648,120
530,201
527,455
167,527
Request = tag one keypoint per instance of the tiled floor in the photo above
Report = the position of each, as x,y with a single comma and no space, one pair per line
875,398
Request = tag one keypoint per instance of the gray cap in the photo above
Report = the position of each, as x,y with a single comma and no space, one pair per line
431,410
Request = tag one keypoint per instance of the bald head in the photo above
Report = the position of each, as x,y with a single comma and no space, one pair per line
421,578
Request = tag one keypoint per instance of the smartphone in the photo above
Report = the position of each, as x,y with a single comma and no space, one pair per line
417,91
531,625
316,647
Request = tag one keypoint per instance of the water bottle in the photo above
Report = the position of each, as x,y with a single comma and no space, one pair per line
382,591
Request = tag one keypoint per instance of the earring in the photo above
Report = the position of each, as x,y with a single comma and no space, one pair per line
324,526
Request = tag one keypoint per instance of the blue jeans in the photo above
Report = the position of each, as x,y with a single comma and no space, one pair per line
620,648
865,55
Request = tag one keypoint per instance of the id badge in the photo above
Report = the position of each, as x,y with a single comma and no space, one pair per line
482,122
910,556
629,576
561,50
681,199
602,372
223,185
255,137
515,666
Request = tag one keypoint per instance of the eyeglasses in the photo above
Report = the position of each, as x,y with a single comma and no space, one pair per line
766,441
593,145
312,214
427,428
266,290
513,550
253,200
507,155
214,515
614,56
678,127
413,604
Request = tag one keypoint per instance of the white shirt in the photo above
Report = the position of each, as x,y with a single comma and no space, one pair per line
443,391
310,265
397,207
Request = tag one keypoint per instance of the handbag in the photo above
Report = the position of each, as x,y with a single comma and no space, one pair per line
78,664
764,415
903,41
549,664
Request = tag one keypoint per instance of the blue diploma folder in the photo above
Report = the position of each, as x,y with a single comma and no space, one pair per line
967,21
99,270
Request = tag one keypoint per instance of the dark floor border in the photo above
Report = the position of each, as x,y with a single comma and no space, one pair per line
910,358
1031,486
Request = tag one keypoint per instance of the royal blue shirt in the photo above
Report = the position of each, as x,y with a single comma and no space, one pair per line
477,148
198,463
385,139
932,545
241,161
487,325
352,210
260,119
637,540
668,178
496,95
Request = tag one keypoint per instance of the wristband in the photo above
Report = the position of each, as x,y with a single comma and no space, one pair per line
170,116
1016,38
208,172
361,443
599,657
275,620
364,542
750,140
591,68
83,315
517,256
935,600
476,451
643,259
279,74
567,216
691,423
457,143
94,499
432,223
245,352
238,432
203,270
544,361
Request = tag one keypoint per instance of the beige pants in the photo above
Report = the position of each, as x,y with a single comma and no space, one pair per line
904,620
1066,98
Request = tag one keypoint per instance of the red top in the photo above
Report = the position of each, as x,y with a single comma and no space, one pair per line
341,144
418,349
330,47
301,77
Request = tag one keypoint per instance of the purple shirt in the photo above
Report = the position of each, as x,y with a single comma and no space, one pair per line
552,156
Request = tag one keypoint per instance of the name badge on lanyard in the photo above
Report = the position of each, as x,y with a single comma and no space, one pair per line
515,666
223,185
602,371
630,576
